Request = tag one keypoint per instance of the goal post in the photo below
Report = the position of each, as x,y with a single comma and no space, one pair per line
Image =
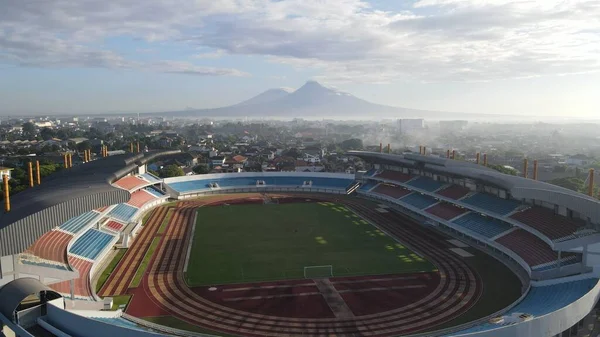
325,271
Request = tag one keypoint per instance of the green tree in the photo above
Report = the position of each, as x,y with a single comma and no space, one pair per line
28,130
503,169
47,133
83,146
171,171
200,169
352,144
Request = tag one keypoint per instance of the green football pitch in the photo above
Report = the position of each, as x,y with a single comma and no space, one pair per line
249,243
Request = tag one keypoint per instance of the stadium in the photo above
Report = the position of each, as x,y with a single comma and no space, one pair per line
415,246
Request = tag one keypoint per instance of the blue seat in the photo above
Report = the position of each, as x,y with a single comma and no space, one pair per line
426,184
369,185
76,224
479,224
543,300
231,182
492,203
123,212
91,244
418,200
150,178
121,322
155,192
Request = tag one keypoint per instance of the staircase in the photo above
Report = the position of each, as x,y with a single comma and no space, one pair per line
353,187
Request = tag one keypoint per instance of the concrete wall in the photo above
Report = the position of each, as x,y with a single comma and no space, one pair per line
74,324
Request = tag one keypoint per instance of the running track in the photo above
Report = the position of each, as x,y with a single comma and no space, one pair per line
458,289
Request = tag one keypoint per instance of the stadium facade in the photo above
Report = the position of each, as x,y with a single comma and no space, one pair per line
58,234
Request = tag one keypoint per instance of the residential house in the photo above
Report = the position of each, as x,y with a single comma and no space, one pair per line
579,160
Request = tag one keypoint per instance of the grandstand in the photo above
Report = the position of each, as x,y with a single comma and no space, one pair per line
123,212
391,191
426,184
528,246
491,203
91,244
418,200
394,175
546,222
446,211
78,223
454,192
482,225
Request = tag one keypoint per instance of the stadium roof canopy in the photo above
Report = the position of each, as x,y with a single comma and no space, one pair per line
64,195
14,292
518,187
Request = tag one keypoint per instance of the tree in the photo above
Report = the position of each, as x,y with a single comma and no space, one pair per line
171,171
47,133
504,169
571,183
83,146
28,130
200,169
352,144
293,152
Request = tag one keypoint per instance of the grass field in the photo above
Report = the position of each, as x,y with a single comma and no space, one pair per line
109,269
246,243
139,274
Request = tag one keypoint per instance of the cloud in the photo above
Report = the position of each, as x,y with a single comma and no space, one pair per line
179,67
343,40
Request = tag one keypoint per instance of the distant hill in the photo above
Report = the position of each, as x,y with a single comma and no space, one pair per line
312,100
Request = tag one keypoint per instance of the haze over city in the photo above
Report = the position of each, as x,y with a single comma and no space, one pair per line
536,58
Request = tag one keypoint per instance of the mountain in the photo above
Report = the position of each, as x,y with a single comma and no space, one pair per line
267,96
312,100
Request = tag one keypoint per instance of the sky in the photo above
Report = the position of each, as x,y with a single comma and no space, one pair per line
526,57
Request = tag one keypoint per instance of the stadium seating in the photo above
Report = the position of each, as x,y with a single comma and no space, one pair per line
454,192
528,246
91,244
418,200
394,175
369,185
330,182
123,212
370,172
292,181
114,226
130,183
481,225
76,224
446,211
543,300
426,184
118,321
573,259
391,191
154,191
150,178
544,220
43,263
492,203
81,285
140,197
51,246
